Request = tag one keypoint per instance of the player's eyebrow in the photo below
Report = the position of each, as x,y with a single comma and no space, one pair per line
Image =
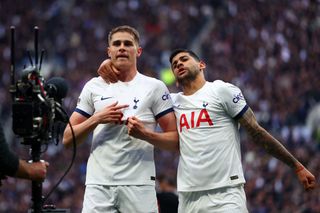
126,42
181,58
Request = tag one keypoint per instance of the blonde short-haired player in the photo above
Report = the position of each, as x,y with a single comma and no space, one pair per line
120,170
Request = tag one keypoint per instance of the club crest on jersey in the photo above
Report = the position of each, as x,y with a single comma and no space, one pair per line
166,96
205,104
195,119
135,100
237,98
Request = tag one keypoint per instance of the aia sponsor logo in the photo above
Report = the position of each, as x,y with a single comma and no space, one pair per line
195,119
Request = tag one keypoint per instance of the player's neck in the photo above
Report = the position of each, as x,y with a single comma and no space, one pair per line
127,75
193,86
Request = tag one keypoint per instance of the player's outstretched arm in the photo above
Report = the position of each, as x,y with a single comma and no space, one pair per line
168,139
261,137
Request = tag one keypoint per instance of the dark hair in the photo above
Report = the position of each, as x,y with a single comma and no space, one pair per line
125,28
177,51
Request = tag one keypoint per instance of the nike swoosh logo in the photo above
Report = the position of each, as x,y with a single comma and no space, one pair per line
105,98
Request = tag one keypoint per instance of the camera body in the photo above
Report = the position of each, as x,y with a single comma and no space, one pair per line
33,112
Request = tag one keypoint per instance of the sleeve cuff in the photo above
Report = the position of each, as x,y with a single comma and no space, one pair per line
163,113
240,114
82,112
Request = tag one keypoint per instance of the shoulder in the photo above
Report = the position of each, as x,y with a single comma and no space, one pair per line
219,84
148,78
222,87
174,96
177,97
95,82
150,81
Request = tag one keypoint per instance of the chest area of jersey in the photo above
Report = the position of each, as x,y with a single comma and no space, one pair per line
199,113
137,101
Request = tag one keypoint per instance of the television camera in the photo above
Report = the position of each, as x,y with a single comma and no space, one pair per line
36,108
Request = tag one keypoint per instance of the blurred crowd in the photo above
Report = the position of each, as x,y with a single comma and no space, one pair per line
270,49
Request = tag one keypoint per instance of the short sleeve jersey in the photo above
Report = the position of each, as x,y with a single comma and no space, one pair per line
117,158
209,137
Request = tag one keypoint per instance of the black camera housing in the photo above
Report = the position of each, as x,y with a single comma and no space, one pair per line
33,112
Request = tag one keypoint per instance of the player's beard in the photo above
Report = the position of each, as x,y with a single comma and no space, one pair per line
190,75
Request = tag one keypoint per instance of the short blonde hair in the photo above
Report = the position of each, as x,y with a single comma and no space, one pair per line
125,28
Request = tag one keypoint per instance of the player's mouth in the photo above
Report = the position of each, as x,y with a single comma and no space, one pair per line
122,56
181,71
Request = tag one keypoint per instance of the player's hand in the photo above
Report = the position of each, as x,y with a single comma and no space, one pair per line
136,128
111,114
306,178
108,72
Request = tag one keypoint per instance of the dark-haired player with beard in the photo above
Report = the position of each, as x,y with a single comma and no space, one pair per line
209,114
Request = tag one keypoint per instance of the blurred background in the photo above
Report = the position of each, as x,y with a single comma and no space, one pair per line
268,48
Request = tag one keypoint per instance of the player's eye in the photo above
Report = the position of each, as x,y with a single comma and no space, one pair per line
174,65
185,58
116,43
128,43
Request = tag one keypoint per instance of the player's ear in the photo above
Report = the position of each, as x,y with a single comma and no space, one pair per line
139,51
202,65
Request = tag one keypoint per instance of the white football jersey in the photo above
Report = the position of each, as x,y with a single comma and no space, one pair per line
117,158
209,137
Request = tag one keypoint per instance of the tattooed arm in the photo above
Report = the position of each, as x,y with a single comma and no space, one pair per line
262,138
